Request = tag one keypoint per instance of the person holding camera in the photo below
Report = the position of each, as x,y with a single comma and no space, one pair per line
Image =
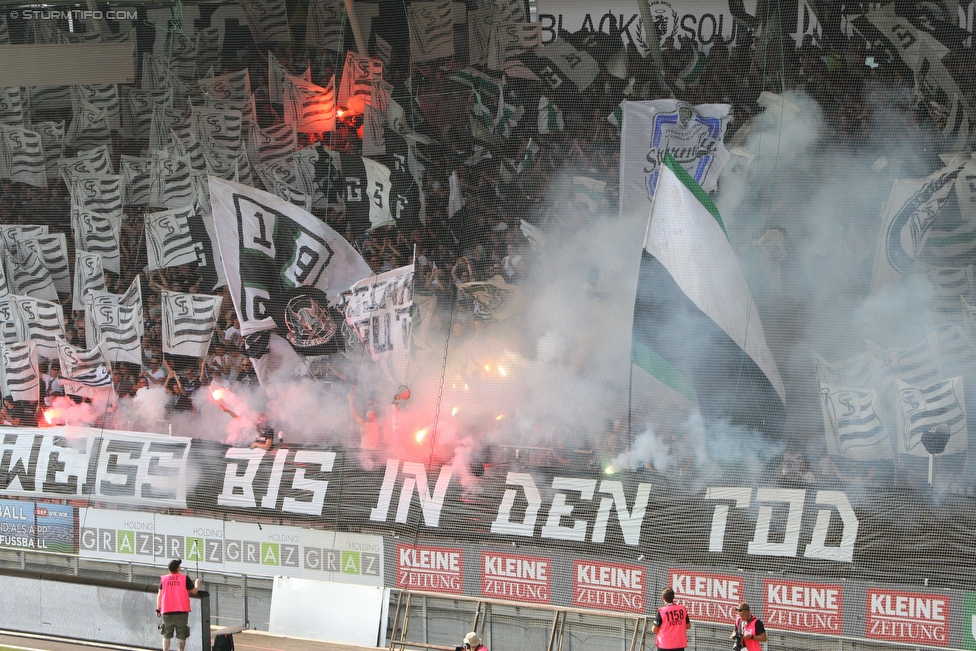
471,643
671,624
749,630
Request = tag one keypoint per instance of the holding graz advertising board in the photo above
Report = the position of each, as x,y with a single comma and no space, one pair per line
699,20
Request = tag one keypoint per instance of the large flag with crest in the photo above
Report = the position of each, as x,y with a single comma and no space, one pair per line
286,271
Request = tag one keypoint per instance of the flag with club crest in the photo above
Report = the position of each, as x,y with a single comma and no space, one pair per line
11,107
274,143
9,331
114,326
168,239
187,146
20,375
323,24
136,107
75,360
188,322
132,298
310,108
938,406
136,173
98,194
379,310
88,162
100,96
277,76
495,297
94,384
507,42
89,277
155,71
267,20
89,126
48,97
431,30
916,365
52,143
356,85
52,249
10,236
284,190
246,106
286,270
505,10
39,321
99,234
234,85
219,133
171,182
165,120
22,154
181,52
210,43
479,35
27,275
853,411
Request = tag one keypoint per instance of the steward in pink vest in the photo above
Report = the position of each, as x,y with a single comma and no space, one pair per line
671,624
173,604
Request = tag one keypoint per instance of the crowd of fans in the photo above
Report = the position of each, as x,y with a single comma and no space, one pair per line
485,239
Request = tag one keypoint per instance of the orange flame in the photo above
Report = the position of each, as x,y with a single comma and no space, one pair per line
420,435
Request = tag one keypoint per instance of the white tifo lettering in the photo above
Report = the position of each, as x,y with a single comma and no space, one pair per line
691,585
516,568
803,596
430,559
610,577
908,607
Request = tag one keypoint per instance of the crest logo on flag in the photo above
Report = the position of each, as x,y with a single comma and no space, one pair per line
665,18
308,321
688,136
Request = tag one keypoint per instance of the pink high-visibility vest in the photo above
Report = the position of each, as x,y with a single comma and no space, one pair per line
673,633
176,598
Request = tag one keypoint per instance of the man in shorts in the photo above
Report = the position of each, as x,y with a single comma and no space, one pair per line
173,604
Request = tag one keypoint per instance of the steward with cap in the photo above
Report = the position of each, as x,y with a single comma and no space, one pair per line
173,604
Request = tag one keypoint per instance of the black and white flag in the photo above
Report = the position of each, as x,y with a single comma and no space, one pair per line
509,41
853,411
917,366
168,239
101,96
52,250
49,97
171,184
204,235
267,19
137,110
27,275
286,270
89,162
940,405
19,372
132,298
95,384
4,31
77,360
115,327
99,234
234,85
367,192
9,332
4,287
431,30
136,173
311,108
323,24
277,76
246,106
89,277
565,70
383,50
379,309
181,52
188,322
52,142
100,194
11,236
165,120
356,86
505,11
374,132
40,321
11,107
219,133
155,71
89,126
210,43
22,154
274,143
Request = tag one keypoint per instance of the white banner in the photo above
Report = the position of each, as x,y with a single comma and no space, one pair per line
379,310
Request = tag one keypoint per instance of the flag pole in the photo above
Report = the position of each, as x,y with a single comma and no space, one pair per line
357,30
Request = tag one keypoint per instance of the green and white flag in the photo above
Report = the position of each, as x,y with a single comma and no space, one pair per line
696,326
590,192
550,117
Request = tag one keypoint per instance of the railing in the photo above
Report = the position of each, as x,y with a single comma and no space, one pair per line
102,611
